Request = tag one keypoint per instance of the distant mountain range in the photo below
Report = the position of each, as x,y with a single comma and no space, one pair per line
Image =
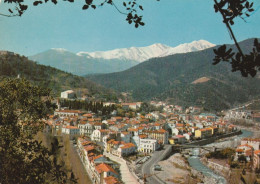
83,63
185,79
141,54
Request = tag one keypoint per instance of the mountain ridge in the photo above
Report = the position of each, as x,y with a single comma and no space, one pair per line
141,54
114,61
170,78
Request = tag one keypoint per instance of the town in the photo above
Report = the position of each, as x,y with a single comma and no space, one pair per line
113,144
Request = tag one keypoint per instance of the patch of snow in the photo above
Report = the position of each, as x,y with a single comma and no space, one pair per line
141,54
60,49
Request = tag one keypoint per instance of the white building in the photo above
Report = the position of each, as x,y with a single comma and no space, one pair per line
67,113
145,145
69,94
70,130
97,135
148,145
126,149
85,128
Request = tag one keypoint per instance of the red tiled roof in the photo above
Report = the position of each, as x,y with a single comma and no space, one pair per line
128,145
257,152
71,127
142,136
104,168
97,157
245,145
111,180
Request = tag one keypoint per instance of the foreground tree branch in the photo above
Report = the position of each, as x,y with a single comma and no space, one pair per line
23,159
247,64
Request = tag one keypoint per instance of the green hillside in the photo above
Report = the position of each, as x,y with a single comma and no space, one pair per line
12,65
171,78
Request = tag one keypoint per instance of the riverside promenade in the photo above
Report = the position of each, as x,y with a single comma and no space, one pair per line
127,176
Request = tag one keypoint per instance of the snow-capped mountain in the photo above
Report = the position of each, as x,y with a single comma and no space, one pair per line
189,47
111,61
141,54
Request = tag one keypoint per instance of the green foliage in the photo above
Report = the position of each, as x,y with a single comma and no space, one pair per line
88,106
12,65
147,107
226,153
254,106
23,159
121,112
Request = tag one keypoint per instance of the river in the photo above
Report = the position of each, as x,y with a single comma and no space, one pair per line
195,162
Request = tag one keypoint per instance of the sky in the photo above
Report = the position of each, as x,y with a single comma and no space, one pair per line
170,22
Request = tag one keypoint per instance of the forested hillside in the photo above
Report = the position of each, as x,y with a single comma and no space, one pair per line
14,65
174,78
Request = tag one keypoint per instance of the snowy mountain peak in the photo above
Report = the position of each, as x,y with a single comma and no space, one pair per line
60,50
188,47
141,54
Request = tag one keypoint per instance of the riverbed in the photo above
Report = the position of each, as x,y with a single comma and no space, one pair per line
195,162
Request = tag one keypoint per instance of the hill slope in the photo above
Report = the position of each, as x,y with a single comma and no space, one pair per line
171,78
12,65
80,65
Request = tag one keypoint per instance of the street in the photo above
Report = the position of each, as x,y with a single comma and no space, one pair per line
147,167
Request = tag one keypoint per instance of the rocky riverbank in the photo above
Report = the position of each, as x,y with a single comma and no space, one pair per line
176,169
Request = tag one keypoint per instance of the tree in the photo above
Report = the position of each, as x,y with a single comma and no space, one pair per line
23,159
247,64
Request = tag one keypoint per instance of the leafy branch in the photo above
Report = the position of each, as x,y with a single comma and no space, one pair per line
131,8
247,64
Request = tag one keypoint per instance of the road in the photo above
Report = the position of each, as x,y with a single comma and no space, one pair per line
127,176
77,166
147,167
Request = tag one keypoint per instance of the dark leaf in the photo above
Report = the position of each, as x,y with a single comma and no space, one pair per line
85,7
88,2
54,1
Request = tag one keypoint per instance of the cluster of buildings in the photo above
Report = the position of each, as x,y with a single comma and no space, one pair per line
238,114
250,148
124,136
146,132
99,168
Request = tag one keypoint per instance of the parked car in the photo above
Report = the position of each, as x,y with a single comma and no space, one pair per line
157,167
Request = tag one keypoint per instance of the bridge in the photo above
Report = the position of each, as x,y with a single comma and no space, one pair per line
188,146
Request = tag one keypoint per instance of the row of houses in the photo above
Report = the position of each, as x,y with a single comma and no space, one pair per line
100,169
